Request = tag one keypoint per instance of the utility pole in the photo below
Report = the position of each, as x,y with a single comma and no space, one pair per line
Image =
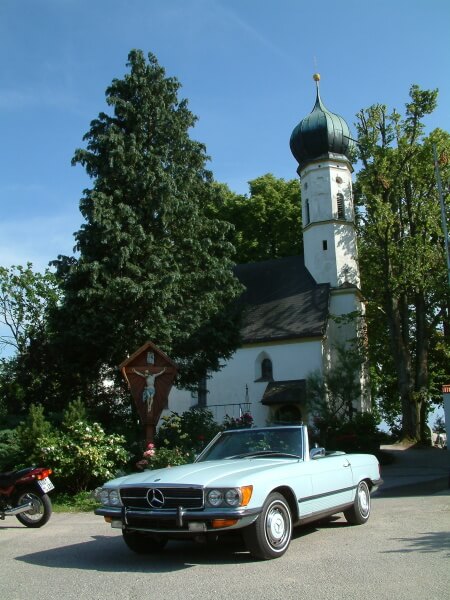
443,210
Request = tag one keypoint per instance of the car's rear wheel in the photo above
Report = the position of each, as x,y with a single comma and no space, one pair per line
270,535
143,543
359,513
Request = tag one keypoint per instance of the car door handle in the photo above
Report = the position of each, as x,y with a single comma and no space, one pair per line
347,464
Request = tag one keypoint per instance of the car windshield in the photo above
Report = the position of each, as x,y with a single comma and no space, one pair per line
244,443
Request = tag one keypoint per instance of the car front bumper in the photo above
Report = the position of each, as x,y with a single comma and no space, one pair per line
178,521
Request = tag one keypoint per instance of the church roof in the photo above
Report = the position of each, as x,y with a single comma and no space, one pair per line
282,301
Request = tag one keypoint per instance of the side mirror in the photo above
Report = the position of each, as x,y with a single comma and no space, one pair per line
316,453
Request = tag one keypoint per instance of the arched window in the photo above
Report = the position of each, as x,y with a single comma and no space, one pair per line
340,206
266,369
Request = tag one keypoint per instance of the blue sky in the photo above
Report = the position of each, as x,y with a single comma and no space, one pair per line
245,65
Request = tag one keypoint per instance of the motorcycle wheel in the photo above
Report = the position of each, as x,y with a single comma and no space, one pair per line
39,513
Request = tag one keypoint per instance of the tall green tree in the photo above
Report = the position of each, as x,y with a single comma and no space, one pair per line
152,263
402,255
267,221
25,298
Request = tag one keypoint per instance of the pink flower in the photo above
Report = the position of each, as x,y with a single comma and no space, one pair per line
150,446
149,453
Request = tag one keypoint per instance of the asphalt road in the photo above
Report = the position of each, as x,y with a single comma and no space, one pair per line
403,552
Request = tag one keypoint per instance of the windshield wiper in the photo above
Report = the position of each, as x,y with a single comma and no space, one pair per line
262,453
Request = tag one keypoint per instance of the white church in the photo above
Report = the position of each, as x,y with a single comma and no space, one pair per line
295,306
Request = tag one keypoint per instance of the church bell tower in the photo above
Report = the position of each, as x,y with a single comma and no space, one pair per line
322,146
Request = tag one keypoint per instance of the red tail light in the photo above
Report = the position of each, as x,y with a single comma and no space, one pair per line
43,473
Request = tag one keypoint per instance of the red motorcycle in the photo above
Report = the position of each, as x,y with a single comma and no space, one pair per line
23,494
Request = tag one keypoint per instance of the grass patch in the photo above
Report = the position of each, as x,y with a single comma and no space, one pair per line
81,502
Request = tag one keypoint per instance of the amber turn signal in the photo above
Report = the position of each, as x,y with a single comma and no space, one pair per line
246,491
217,523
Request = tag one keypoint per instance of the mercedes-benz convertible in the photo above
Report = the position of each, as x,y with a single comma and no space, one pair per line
260,482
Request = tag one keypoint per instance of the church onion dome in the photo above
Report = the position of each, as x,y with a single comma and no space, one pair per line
321,133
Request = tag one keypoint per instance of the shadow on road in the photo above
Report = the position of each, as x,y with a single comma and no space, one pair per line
109,554
433,541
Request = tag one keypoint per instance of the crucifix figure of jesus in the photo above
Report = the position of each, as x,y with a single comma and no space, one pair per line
149,390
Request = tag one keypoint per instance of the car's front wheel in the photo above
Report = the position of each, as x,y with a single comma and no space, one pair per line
270,535
142,543
359,513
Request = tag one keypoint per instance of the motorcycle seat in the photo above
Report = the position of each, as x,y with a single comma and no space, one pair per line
9,477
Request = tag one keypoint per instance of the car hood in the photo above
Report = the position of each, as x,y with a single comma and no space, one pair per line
211,473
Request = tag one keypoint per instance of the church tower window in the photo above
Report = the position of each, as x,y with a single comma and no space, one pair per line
340,206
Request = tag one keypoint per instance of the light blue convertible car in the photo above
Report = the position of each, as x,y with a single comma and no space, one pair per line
261,481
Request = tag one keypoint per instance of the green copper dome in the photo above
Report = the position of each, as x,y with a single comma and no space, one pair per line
320,133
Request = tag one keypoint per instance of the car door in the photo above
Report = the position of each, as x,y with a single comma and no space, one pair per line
332,484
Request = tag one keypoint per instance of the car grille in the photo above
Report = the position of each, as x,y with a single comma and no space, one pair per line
167,497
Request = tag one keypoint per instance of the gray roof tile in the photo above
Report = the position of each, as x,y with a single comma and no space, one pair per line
282,301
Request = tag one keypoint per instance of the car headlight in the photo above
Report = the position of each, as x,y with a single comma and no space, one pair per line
114,498
103,496
215,497
233,497
229,497
108,497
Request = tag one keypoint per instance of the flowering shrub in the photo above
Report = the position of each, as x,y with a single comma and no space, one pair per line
243,422
189,432
80,453
83,455
181,437
158,458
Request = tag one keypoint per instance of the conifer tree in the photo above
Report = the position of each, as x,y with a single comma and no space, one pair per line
151,262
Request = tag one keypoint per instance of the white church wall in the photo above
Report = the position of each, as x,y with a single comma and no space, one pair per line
347,302
236,386
329,238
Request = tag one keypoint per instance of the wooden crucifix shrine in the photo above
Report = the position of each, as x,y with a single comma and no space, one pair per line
149,374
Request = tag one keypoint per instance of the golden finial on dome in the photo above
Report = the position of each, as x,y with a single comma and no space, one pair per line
316,76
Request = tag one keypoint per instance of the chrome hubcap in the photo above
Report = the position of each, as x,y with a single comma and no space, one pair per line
364,501
277,526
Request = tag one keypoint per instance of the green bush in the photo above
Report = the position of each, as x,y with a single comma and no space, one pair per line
179,439
158,458
189,432
360,434
31,433
9,450
83,456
